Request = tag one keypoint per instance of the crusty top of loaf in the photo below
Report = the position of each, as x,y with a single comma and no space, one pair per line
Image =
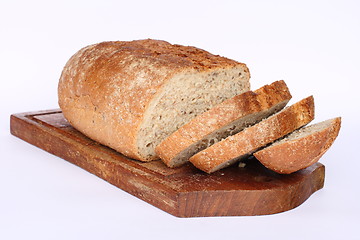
111,84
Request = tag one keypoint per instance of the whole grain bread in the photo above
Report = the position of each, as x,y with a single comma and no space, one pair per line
301,148
132,95
244,143
221,121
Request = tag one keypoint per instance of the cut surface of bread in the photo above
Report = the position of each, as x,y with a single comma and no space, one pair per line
244,143
184,97
301,148
131,95
226,118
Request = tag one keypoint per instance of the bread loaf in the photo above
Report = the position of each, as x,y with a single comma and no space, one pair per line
301,148
226,118
244,143
132,95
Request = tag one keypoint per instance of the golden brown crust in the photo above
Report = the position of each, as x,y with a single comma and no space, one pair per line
219,116
249,140
100,97
293,155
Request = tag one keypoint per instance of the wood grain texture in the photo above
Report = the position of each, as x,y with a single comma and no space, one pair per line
184,191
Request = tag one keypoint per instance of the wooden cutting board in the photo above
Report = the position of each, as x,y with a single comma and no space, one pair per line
183,192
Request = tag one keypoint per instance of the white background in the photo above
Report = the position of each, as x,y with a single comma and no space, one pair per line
313,45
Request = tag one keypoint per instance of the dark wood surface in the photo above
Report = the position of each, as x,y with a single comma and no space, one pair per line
183,192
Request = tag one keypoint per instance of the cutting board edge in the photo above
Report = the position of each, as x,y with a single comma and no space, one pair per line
175,202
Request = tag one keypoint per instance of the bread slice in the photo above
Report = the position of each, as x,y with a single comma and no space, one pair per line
301,148
221,121
244,143
131,95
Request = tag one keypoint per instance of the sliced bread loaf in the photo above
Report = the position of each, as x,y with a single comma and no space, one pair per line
221,121
244,143
132,95
300,148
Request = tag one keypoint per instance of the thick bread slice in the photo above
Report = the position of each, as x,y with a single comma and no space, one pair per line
244,143
301,148
221,121
132,95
